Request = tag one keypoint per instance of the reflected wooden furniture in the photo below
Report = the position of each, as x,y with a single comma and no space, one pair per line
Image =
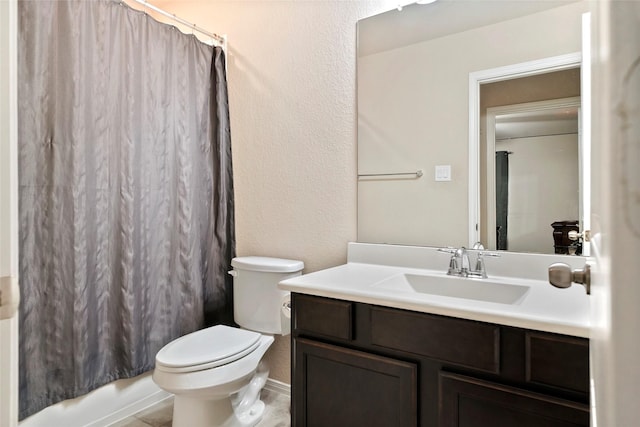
561,241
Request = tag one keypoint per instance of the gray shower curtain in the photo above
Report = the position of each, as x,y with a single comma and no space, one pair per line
502,200
125,198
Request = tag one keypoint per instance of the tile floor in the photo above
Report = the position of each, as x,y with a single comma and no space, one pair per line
159,415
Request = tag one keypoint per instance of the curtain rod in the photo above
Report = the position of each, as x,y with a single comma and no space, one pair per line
220,39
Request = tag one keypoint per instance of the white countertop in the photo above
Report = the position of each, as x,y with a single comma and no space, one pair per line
544,308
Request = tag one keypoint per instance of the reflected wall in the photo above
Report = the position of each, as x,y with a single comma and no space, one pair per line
413,114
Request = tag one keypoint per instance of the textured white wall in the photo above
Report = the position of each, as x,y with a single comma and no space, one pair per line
8,206
292,90
5,268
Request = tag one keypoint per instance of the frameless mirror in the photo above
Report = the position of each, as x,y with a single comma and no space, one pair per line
419,181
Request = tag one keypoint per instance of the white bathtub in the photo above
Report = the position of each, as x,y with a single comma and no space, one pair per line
101,407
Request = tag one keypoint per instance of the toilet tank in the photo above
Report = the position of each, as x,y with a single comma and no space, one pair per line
257,301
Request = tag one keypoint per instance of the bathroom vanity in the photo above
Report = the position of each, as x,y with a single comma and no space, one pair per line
362,364
369,356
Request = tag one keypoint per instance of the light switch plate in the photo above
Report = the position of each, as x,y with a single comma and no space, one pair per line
443,173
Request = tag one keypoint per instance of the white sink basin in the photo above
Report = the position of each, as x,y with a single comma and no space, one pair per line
456,287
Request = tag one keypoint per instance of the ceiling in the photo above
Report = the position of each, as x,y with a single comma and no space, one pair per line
557,121
416,22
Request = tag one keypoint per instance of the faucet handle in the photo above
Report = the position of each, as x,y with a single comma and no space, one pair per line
478,246
480,268
489,254
448,250
453,262
481,251
453,265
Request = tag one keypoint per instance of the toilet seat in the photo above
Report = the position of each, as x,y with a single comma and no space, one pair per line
206,349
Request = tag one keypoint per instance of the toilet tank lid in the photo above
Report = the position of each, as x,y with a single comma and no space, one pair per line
272,265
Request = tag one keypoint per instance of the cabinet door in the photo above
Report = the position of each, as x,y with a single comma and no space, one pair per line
468,402
339,387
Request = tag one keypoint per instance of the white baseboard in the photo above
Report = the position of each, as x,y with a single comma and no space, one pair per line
130,410
278,387
272,385
101,407
114,402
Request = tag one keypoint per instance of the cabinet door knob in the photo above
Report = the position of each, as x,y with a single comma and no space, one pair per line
561,276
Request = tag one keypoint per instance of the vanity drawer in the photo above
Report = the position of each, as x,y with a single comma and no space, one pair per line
323,316
461,342
557,361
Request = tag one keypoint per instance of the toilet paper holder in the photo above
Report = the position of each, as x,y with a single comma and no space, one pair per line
285,315
286,307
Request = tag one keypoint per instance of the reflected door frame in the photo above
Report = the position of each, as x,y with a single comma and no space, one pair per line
524,69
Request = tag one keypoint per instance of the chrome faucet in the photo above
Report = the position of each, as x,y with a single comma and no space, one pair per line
459,264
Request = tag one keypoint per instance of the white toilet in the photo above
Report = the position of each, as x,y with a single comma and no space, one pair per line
215,373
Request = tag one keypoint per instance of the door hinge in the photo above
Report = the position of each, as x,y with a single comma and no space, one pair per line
9,297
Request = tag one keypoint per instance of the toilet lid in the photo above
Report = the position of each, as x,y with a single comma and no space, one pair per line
206,348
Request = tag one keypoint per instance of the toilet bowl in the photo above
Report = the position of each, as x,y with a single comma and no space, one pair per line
216,373
211,381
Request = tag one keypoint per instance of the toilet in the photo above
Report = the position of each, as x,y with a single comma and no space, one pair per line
216,374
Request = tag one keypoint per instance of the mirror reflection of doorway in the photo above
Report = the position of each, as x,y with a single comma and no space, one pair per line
528,87
536,164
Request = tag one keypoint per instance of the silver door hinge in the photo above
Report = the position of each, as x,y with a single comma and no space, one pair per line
9,297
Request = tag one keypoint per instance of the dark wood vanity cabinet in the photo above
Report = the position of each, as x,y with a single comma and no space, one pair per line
375,390
357,364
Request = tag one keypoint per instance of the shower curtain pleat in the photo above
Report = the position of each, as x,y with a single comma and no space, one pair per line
125,194
502,200
223,232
